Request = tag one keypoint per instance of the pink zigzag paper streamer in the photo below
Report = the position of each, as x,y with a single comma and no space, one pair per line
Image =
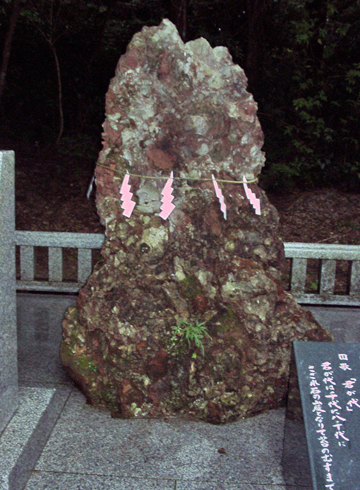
125,195
167,206
220,196
255,202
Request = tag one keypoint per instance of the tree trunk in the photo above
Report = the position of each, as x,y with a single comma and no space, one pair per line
7,45
317,10
256,12
82,103
61,112
177,15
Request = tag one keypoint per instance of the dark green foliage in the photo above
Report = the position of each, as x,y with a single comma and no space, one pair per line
311,111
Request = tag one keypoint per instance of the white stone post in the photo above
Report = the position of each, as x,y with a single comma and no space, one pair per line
8,331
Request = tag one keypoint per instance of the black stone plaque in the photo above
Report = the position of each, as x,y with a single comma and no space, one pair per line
329,382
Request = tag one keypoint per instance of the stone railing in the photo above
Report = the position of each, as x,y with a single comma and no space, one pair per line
83,245
323,288
329,257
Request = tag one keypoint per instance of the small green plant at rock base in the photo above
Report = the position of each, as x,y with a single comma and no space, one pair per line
190,333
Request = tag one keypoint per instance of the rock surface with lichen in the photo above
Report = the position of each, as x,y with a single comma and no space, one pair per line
183,108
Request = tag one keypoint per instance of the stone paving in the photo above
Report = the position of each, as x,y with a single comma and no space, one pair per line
56,441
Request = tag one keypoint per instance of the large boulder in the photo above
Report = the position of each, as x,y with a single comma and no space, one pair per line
185,314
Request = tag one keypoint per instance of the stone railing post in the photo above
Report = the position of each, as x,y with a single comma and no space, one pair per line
8,333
